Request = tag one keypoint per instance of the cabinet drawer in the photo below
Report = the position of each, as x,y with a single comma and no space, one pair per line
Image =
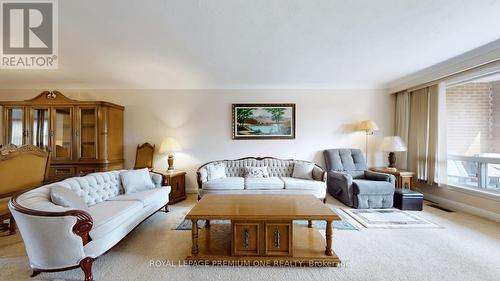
246,238
278,240
404,182
60,173
177,184
82,171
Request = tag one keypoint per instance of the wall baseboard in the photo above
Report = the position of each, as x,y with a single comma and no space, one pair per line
191,190
457,206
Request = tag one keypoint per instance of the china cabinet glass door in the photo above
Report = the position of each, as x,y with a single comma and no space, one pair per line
16,131
62,133
40,128
87,133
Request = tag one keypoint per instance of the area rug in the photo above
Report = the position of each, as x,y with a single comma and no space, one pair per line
388,218
346,223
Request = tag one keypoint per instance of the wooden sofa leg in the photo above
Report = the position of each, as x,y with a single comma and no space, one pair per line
167,209
12,226
86,266
324,200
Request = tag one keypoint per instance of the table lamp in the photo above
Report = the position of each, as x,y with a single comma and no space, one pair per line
169,146
392,144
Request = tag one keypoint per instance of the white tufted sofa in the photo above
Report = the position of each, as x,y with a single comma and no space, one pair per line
280,180
59,238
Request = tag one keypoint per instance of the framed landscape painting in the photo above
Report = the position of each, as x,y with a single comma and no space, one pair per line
264,121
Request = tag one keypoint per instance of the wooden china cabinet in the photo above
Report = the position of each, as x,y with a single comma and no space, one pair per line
83,136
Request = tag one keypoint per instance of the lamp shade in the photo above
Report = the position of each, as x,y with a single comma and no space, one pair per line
393,144
169,145
368,125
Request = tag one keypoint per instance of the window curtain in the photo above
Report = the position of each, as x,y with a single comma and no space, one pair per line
401,126
418,133
419,118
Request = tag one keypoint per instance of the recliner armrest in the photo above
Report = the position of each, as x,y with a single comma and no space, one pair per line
339,178
374,176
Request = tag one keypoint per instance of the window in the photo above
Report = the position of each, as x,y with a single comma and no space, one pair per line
473,134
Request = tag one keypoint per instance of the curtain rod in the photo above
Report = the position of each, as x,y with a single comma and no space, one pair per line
469,70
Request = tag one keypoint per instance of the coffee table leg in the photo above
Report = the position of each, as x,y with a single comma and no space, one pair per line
194,232
310,224
207,223
328,250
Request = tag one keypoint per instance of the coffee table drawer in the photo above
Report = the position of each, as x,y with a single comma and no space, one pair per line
278,239
246,236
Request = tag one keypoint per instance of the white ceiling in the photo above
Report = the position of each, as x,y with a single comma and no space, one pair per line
195,44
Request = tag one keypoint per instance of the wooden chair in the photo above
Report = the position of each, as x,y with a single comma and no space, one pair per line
21,169
144,156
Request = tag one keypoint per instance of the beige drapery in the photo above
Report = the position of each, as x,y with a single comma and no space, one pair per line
401,125
418,119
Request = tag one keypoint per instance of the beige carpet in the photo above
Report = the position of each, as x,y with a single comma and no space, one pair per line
467,248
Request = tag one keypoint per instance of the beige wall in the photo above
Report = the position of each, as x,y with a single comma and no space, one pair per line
201,121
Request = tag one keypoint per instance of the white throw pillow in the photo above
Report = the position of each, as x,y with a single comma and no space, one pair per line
216,171
66,197
256,172
136,180
303,170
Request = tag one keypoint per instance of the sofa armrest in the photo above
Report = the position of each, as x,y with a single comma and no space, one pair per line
81,227
157,179
319,174
53,239
374,176
202,176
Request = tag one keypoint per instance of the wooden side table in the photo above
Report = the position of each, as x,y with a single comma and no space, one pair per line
404,179
177,181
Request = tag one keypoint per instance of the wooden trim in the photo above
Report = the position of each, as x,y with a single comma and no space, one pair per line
85,264
60,99
24,149
81,228
234,105
88,162
198,174
37,271
52,96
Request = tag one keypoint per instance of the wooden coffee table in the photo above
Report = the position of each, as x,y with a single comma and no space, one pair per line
262,231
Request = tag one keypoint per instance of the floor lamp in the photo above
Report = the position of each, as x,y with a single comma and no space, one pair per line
369,127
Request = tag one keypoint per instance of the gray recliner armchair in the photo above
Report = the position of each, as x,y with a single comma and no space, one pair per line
350,181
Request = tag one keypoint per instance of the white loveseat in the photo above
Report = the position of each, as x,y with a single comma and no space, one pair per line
59,238
280,180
